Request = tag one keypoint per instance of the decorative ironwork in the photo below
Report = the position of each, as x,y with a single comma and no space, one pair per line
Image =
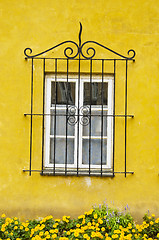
69,51
84,115
72,115
85,112
75,114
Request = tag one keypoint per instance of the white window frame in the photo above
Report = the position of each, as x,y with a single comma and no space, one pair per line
84,78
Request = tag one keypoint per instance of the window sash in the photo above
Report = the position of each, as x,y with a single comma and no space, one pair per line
108,109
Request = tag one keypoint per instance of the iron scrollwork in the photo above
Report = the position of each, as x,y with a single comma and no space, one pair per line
72,115
70,53
83,113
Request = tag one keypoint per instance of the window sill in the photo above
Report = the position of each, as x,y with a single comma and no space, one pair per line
81,172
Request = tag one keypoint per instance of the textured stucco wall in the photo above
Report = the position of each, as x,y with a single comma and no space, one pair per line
120,25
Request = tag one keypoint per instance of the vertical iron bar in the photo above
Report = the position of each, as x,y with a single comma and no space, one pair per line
126,114
78,111
55,114
102,118
66,120
43,115
90,117
31,118
114,116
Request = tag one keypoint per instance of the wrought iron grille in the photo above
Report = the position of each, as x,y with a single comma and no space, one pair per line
73,104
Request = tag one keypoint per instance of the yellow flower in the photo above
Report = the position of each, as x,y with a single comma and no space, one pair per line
26,229
83,222
89,224
77,225
95,215
153,215
57,220
3,215
15,227
157,235
115,236
41,233
103,229
54,236
151,223
76,234
93,234
46,233
16,222
85,236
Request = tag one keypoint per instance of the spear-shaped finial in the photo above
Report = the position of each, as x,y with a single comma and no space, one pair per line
80,32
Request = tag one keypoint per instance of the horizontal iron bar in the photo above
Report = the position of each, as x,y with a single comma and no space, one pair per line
26,170
81,173
71,115
125,172
105,59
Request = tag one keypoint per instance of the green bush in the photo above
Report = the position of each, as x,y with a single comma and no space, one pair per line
99,223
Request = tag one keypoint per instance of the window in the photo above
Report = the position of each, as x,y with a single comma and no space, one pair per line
78,110
78,123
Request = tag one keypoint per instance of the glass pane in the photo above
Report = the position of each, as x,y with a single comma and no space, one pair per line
61,94
60,147
60,123
99,92
95,151
96,124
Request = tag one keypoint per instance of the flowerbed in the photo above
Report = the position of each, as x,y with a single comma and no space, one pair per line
98,223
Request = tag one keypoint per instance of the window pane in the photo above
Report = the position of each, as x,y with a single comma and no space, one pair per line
96,124
60,148
95,151
98,95
61,94
60,123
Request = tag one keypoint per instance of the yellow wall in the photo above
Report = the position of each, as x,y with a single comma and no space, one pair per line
120,25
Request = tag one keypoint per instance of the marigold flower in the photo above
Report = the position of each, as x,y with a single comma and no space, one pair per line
57,220
3,215
41,233
115,236
54,235
76,234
